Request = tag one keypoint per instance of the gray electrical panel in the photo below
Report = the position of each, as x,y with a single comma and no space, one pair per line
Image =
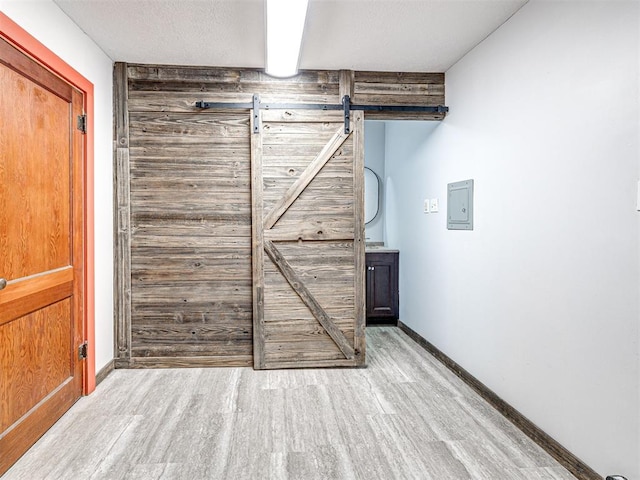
460,205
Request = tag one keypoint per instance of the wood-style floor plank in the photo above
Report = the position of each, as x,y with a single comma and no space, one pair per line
405,416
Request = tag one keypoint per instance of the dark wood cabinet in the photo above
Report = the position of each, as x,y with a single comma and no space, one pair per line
382,287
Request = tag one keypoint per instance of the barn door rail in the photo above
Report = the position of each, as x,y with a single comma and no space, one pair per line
346,106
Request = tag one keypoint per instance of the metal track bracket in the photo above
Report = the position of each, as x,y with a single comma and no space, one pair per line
256,113
346,105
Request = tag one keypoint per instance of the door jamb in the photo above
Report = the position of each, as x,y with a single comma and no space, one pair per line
24,41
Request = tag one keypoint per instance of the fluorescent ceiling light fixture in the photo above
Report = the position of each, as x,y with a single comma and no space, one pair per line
285,25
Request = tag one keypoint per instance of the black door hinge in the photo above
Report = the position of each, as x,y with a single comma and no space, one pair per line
82,351
82,123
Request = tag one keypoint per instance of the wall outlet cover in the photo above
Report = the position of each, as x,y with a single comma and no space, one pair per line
427,208
434,205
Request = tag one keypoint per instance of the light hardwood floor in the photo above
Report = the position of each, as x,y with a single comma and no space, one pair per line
405,416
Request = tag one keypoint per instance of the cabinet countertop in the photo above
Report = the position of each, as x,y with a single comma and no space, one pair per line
381,250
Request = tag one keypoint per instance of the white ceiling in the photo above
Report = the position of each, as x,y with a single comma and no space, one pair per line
384,35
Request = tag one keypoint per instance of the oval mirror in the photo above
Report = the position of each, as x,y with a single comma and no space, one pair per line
371,195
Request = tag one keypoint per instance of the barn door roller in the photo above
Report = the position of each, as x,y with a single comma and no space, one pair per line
256,105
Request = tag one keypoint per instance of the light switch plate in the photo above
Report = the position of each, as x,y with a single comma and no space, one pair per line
427,209
433,205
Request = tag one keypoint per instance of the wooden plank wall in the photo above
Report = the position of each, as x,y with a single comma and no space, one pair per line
183,201
391,88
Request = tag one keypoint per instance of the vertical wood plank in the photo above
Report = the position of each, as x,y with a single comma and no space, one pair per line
121,107
122,294
123,263
347,83
359,240
257,247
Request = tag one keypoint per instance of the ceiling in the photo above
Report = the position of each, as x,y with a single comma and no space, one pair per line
378,35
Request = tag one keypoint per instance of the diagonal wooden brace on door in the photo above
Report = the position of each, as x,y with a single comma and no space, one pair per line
309,300
303,180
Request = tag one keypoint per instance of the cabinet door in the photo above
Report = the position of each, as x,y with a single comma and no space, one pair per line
382,285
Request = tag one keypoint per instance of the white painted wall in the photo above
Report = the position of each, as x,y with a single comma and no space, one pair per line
541,301
374,157
46,22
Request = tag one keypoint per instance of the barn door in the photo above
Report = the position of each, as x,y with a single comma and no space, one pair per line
41,251
308,240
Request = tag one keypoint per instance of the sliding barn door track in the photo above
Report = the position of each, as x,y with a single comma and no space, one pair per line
346,106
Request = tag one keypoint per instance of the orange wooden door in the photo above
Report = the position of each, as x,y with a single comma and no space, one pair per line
308,239
41,251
